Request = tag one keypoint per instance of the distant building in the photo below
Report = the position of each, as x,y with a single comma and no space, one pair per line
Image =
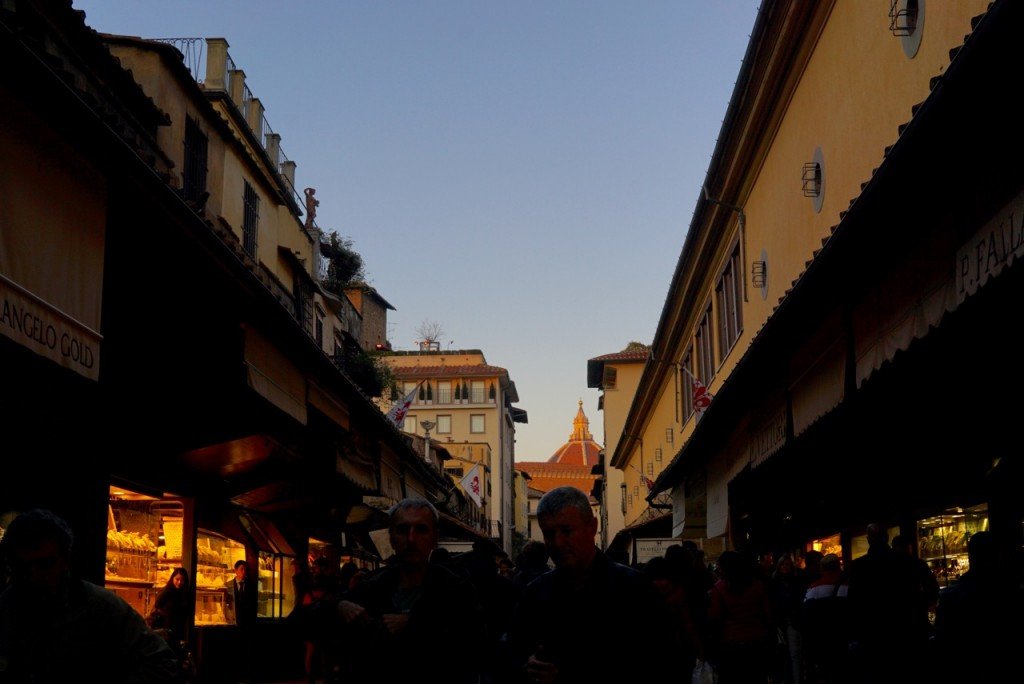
467,400
572,465
374,312
617,376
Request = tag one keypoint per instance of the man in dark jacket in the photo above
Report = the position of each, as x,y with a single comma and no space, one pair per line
404,621
57,628
566,616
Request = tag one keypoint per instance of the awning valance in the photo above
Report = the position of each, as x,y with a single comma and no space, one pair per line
274,376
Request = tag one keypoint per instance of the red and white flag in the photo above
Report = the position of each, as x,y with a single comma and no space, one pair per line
471,483
397,413
701,397
648,482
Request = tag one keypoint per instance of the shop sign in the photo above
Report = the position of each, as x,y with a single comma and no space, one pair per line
646,549
33,323
768,439
997,245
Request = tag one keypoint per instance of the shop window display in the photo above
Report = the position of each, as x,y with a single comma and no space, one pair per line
215,561
139,529
859,543
276,597
827,545
942,540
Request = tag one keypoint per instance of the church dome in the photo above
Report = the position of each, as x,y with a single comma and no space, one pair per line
581,449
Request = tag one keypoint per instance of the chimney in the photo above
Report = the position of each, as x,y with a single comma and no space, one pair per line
216,64
254,117
236,87
273,144
288,171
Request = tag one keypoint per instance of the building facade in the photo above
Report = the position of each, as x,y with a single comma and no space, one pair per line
466,400
617,375
166,343
854,243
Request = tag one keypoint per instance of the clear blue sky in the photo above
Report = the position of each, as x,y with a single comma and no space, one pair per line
521,172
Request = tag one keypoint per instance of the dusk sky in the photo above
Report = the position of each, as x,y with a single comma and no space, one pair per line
521,173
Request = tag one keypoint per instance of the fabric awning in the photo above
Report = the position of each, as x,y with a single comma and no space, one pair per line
265,533
363,475
274,376
329,405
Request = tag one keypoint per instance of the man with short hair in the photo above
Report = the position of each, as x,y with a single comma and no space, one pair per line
565,616
404,620
57,628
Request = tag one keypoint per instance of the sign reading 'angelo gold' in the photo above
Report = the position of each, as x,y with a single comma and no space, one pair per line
32,323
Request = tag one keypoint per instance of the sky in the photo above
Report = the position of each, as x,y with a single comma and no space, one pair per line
521,173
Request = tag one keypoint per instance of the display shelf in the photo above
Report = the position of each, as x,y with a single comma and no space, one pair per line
126,581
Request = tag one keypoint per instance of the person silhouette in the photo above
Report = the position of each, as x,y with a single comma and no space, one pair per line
55,627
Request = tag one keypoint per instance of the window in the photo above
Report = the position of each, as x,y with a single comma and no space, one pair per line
454,471
728,293
705,352
657,455
650,466
907,23
194,175
608,377
408,388
444,391
251,220
670,435
444,425
304,304
319,333
476,423
476,392
686,371
410,423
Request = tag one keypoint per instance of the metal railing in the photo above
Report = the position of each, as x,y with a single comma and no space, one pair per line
193,53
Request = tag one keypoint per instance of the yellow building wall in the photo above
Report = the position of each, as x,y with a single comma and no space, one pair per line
616,406
642,460
855,92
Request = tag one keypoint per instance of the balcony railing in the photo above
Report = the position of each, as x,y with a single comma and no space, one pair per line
193,52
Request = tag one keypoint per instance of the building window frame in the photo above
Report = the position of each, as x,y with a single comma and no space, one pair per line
319,326
728,295
477,391
444,424
477,423
704,345
193,177
410,421
250,219
686,370
444,391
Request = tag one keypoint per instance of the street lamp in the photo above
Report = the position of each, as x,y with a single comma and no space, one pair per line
427,426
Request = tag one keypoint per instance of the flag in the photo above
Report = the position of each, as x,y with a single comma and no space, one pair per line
701,397
397,413
471,483
648,482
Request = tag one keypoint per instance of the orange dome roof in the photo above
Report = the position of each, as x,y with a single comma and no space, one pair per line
581,449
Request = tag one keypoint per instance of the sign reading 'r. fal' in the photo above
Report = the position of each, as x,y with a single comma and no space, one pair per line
991,249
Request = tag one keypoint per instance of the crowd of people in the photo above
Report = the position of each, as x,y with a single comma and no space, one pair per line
561,611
